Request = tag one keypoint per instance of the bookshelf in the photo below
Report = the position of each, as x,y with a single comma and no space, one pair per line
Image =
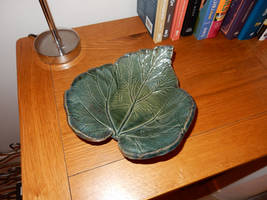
227,79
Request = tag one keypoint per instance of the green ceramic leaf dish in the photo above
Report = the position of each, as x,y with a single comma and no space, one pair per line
136,101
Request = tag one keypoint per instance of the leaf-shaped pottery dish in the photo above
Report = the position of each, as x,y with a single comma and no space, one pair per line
136,101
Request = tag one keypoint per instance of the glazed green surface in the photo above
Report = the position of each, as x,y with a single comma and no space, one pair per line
136,101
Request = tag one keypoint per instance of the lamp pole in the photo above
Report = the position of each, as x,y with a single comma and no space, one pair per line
52,26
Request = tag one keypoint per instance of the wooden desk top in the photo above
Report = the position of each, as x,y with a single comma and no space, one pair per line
227,79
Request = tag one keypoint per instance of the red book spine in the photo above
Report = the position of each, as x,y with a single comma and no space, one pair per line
178,19
218,18
174,20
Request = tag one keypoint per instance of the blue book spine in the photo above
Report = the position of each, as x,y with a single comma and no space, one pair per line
205,19
254,20
147,10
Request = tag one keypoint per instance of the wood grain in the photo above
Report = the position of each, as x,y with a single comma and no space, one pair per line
43,167
202,156
227,79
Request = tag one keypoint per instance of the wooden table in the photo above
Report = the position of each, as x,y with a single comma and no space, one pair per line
227,79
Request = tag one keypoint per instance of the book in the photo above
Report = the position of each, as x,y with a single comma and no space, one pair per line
236,17
205,18
190,17
169,17
175,18
153,14
160,20
262,33
202,3
254,20
178,19
218,18
146,10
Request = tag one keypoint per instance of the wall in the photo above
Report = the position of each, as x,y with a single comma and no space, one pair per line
18,18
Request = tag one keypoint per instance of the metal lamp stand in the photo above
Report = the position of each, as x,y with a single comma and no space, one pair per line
56,46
